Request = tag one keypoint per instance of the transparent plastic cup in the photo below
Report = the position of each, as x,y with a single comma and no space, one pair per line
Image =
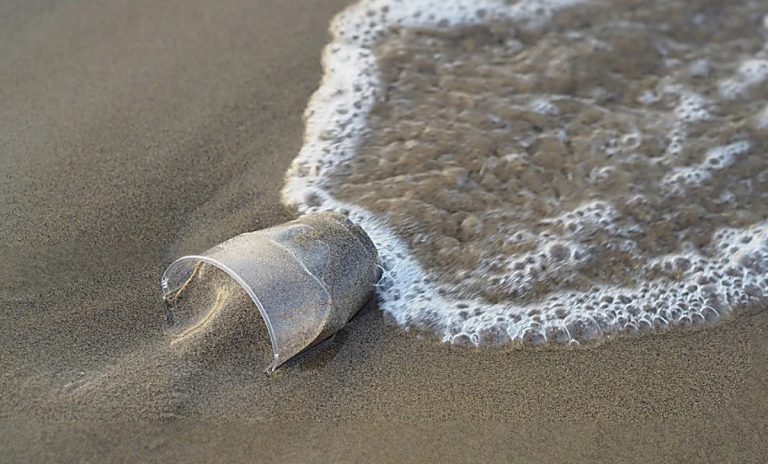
307,277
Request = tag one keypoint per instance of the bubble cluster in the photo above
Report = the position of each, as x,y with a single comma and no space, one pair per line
547,171
681,178
753,72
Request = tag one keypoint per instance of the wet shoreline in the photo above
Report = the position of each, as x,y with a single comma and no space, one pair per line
104,185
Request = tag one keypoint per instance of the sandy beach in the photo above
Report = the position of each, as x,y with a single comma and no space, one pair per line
135,132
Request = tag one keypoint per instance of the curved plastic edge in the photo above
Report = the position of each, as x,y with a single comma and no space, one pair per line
169,293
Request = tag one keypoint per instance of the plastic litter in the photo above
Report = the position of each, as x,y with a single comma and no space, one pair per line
307,277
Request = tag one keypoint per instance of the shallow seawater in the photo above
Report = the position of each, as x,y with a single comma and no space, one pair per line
549,170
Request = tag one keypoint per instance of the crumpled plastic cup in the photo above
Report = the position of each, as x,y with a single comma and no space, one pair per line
307,277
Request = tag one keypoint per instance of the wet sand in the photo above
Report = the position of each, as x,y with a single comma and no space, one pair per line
133,132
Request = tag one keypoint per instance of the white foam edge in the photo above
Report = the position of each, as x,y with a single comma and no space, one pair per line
335,122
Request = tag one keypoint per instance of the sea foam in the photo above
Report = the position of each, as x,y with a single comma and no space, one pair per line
544,297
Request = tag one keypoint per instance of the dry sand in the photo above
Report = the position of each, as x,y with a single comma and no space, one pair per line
134,131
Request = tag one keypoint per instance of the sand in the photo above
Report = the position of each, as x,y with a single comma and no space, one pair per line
133,132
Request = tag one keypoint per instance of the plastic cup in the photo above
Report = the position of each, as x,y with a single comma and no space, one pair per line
307,277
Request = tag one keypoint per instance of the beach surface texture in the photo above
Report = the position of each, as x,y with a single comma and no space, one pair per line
134,132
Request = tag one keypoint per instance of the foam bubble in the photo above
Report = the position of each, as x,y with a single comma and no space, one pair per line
693,107
716,159
750,74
